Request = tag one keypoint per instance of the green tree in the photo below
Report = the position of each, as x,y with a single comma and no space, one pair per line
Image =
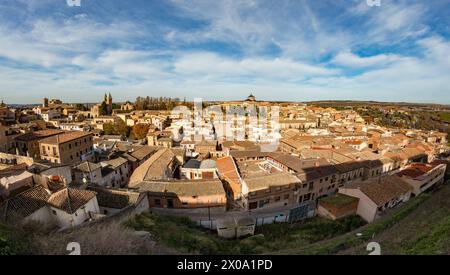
140,131
119,128
103,109
80,107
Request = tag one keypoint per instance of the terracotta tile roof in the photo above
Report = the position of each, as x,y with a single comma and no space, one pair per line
65,137
228,170
271,180
115,163
353,142
88,167
245,145
24,204
406,154
143,152
247,154
70,200
13,170
153,168
320,166
37,135
112,198
383,190
128,157
206,143
197,188
415,170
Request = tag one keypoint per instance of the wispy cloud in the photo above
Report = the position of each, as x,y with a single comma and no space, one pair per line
291,50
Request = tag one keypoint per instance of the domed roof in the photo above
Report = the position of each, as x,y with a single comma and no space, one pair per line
251,97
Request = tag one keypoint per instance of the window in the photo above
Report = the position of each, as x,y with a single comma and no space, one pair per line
307,197
286,197
263,202
54,212
157,202
277,198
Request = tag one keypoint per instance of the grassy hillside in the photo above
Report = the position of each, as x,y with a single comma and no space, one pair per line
185,236
426,231
11,242
109,237
421,226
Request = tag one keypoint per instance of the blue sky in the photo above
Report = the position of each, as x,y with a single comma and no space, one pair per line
296,50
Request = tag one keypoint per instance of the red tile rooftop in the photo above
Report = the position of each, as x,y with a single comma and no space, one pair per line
416,170
38,134
65,137
353,142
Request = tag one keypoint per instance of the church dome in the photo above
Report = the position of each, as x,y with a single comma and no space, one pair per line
251,97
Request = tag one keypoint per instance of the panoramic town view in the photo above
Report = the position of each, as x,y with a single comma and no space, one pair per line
224,128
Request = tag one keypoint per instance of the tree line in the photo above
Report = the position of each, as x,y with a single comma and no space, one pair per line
158,103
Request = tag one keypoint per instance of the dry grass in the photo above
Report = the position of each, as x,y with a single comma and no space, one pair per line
426,231
103,238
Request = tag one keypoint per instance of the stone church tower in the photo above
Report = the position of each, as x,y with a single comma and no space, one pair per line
109,100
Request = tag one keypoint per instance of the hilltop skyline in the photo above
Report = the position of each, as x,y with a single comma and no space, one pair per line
282,50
